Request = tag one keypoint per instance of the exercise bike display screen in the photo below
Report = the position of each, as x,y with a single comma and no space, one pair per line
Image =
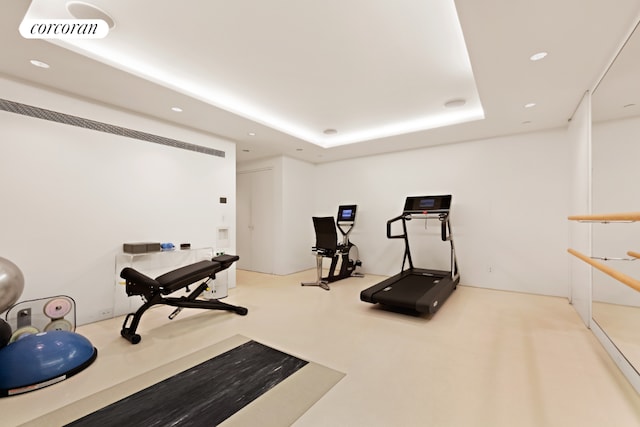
347,213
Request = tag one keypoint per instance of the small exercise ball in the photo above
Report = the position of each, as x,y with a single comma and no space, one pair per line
5,333
11,283
43,359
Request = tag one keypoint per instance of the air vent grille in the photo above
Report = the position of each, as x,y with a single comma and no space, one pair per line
54,116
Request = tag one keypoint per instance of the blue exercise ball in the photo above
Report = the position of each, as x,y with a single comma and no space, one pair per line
43,359
11,283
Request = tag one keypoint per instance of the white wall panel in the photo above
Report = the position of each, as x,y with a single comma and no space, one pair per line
72,196
297,209
615,189
579,136
510,201
256,233
291,206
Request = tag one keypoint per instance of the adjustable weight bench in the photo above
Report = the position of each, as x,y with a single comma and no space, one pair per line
152,291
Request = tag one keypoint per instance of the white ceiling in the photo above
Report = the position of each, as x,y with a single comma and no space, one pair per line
617,95
342,64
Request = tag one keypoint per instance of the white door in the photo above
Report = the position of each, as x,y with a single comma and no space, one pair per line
255,220
243,220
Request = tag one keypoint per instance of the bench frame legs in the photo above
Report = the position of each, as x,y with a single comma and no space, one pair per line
132,320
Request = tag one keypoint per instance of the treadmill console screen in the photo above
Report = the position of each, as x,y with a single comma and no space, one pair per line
347,213
427,203
424,204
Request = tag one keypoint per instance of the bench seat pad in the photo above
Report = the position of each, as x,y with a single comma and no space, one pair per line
183,276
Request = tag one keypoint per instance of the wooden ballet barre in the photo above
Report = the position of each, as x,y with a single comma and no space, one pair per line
634,254
625,216
621,277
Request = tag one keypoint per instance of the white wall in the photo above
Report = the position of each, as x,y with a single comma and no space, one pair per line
72,196
616,174
510,203
297,209
579,139
292,206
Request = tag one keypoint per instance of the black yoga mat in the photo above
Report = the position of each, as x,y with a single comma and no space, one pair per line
204,395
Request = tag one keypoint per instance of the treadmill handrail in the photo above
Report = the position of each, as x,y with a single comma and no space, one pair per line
426,215
444,222
404,236
404,228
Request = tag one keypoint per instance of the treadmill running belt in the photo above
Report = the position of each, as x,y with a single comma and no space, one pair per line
406,291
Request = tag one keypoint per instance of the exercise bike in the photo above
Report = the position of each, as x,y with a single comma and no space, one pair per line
347,251
327,246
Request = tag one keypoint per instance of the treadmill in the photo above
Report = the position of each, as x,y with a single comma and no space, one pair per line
418,290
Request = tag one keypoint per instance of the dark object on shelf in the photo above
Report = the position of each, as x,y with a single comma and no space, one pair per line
141,248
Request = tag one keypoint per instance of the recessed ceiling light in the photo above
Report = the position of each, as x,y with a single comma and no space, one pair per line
454,103
530,105
538,56
329,131
82,10
176,109
39,63
251,134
